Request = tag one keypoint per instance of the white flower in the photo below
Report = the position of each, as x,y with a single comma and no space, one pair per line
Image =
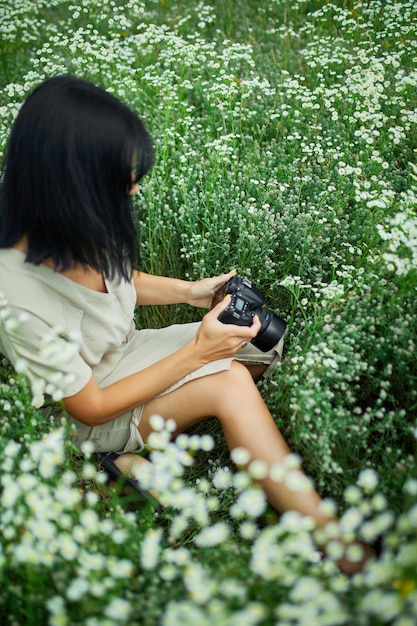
212,535
38,389
27,481
27,554
178,556
170,425
89,471
368,479
222,478
12,448
351,520
207,443
203,485
182,441
292,461
11,324
144,472
158,440
67,547
200,587
178,526
68,496
251,615
69,379
354,553
89,519
379,502
118,609
297,481
50,462
278,472
119,535
330,363
21,365
92,561
268,557
352,494
240,456
382,603
328,507
10,494
292,521
78,588
252,502
168,572
248,530
57,395
87,448
241,480
258,470
56,605
157,423
233,589
306,588
150,548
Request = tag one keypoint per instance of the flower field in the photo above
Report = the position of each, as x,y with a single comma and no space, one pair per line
286,147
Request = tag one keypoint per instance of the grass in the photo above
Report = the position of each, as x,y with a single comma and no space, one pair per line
286,148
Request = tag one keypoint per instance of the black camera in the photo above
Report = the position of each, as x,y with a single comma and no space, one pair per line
246,302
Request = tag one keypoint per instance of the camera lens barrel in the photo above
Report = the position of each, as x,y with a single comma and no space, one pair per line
247,301
272,329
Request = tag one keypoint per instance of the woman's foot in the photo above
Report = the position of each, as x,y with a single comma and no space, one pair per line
355,557
129,462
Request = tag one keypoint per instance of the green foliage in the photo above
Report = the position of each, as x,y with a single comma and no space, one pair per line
285,137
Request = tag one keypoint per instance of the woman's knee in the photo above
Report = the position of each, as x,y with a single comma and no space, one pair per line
239,374
216,395
233,387
234,378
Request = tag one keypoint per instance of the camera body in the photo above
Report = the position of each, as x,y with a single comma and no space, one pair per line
246,302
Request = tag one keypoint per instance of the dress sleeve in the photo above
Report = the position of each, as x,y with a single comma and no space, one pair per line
44,353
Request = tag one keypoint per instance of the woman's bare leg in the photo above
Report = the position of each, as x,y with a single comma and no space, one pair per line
232,397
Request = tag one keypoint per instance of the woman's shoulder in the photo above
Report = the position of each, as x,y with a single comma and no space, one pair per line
14,270
24,286
12,259
42,290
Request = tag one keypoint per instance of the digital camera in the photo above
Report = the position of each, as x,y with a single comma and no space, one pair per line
246,302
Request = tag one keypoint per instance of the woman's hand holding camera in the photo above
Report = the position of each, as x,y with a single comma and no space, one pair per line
215,340
201,292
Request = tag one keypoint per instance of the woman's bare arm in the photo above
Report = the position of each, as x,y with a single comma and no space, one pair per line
163,290
94,405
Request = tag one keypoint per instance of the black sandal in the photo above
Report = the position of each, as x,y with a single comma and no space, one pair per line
106,461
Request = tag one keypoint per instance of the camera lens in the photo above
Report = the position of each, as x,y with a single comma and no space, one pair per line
272,329
247,301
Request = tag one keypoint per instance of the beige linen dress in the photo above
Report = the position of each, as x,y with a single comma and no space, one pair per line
110,347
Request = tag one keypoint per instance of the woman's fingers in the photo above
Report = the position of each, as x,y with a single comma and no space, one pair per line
249,331
223,278
230,335
205,292
219,281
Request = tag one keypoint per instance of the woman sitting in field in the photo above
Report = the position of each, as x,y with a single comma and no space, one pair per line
67,254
